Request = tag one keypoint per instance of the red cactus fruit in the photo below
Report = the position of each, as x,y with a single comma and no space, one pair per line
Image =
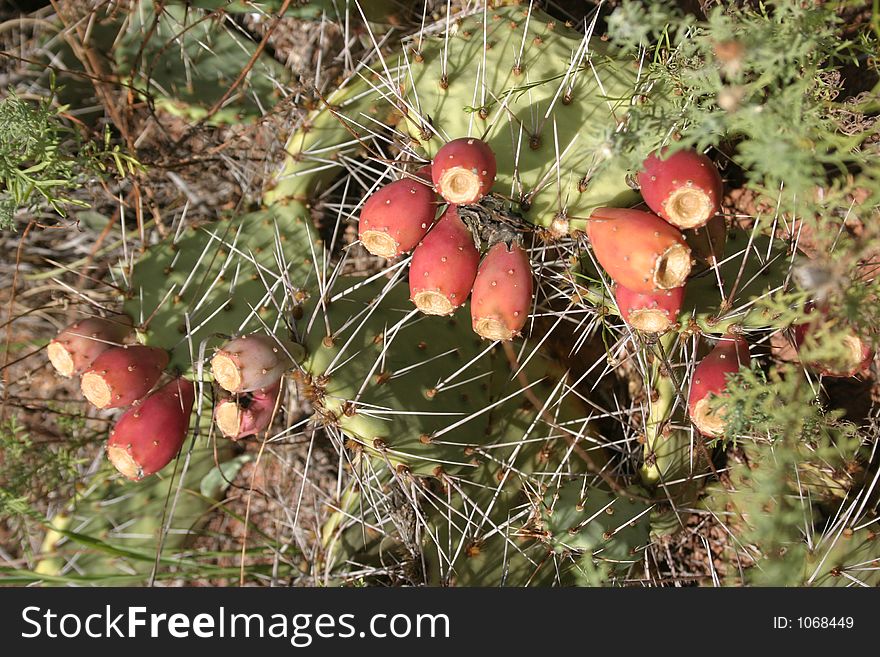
250,414
396,217
122,375
150,434
639,250
464,170
652,312
685,188
77,346
251,362
444,266
502,292
707,242
710,379
858,352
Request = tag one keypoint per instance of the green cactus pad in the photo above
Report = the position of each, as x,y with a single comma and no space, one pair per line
396,389
218,275
608,529
378,11
189,62
548,107
112,535
550,103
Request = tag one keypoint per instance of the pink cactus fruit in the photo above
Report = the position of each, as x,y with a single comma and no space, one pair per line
122,375
684,188
710,380
639,250
444,266
464,170
251,362
652,312
858,352
502,293
248,414
396,217
150,434
78,345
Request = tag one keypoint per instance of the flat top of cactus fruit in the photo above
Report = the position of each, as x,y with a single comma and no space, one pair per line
231,277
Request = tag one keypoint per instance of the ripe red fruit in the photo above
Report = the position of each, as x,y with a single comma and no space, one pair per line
859,353
247,415
710,379
122,375
77,346
150,434
502,293
444,266
251,362
685,188
396,217
638,249
464,170
652,312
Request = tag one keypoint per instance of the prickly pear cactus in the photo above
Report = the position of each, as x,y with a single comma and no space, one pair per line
465,460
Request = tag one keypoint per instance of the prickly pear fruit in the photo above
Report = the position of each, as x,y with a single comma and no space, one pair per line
122,375
247,415
684,188
444,266
252,362
652,312
858,352
396,217
150,434
502,292
464,170
77,346
638,249
710,379
707,242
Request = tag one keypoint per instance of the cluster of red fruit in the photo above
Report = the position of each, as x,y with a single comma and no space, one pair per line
646,253
446,267
151,432
648,257
115,375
